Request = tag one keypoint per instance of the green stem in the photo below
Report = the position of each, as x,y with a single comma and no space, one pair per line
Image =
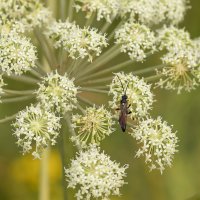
8,119
44,179
84,89
63,152
17,99
70,10
153,78
18,92
112,34
63,9
90,20
23,78
110,69
47,49
100,80
35,73
105,27
104,58
67,118
84,100
148,69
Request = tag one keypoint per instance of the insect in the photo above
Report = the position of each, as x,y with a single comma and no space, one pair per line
124,108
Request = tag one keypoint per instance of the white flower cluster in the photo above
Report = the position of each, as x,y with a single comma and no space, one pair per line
79,43
92,126
37,127
57,93
22,15
136,40
95,175
152,12
181,60
107,9
139,94
158,143
17,54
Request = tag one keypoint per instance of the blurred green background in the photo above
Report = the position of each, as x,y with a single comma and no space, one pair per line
19,175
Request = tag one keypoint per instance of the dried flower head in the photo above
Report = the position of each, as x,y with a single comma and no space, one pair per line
138,92
136,40
57,92
36,128
92,126
158,143
79,43
104,9
152,12
17,54
181,60
22,15
95,175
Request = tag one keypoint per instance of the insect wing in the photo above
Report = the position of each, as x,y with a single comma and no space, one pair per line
123,117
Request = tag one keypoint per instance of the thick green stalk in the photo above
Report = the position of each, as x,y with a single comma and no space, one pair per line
7,119
90,20
63,7
104,58
70,10
44,179
23,78
105,71
105,27
17,99
86,89
63,153
19,92
100,80
153,78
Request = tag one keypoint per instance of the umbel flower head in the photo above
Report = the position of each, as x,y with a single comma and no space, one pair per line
104,9
22,15
57,93
36,128
17,54
158,143
152,12
136,40
138,92
79,43
180,62
95,175
92,126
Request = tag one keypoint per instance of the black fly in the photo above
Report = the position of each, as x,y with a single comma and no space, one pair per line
124,108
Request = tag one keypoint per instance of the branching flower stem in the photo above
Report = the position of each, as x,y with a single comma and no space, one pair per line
44,179
104,58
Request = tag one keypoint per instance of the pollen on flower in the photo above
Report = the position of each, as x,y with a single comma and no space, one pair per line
23,15
136,40
152,12
57,93
139,94
35,129
157,143
78,42
92,126
180,62
95,175
17,54
104,9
